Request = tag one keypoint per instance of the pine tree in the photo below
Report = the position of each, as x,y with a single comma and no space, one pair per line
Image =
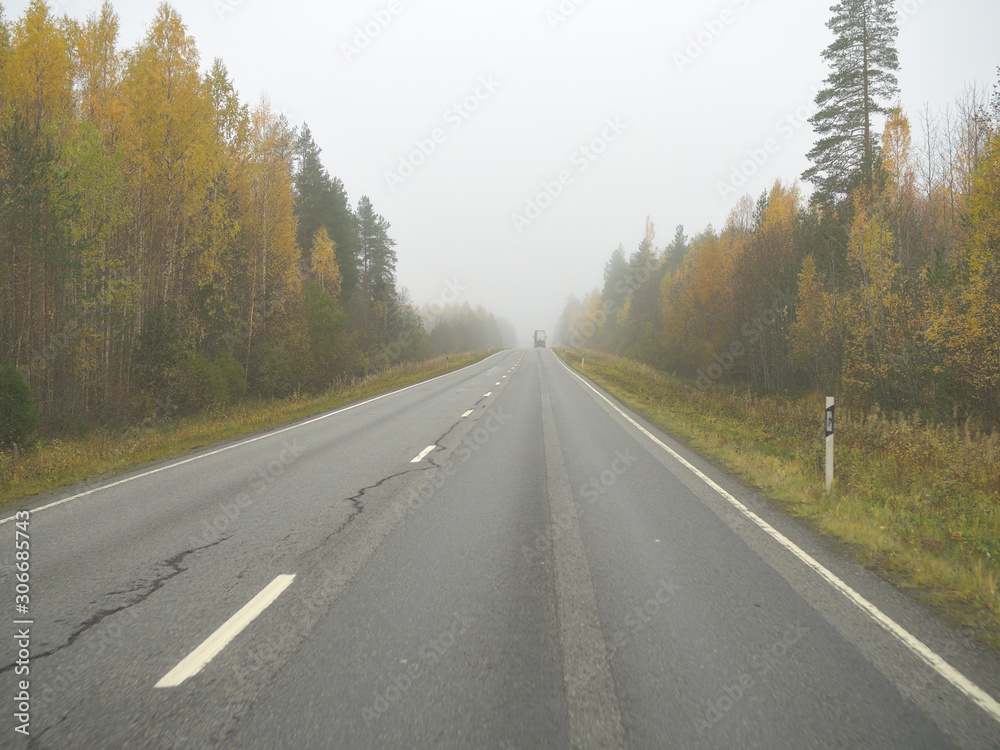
861,85
378,259
373,305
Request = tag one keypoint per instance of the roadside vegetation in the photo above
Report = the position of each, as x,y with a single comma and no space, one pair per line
54,462
920,500
882,289
177,265
168,248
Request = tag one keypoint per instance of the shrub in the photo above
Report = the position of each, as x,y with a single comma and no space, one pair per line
18,415
207,384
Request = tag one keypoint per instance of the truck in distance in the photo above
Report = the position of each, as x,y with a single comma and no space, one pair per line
539,339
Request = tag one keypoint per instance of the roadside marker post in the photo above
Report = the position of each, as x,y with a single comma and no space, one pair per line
829,442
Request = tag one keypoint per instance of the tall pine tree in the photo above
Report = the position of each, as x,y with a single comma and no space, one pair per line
862,84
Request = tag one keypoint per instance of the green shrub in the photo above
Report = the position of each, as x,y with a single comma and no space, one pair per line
18,415
233,376
207,384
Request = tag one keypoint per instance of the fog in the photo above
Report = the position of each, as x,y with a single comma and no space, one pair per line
514,145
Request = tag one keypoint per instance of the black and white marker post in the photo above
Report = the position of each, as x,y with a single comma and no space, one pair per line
829,442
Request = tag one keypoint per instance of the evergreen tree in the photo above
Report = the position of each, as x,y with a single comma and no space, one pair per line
862,84
614,294
644,263
321,201
674,253
18,415
376,254
377,268
615,288
312,190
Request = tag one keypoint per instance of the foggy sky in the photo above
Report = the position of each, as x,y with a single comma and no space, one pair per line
621,110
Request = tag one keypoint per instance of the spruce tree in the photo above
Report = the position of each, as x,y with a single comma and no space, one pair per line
321,201
18,415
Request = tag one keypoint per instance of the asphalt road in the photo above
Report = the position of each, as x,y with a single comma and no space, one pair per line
501,557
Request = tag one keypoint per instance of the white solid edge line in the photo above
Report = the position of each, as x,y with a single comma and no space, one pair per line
422,454
467,413
200,456
962,683
193,663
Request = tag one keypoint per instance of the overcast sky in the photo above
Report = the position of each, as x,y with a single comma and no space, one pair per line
619,110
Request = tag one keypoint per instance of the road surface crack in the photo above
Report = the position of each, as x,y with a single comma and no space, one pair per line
37,738
446,433
174,568
355,500
359,506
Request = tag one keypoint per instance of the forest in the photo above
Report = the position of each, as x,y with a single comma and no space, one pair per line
882,288
166,248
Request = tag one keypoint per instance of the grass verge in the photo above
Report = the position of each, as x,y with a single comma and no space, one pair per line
55,462
920,503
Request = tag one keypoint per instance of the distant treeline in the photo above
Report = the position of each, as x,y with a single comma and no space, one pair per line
885,289
890,296
165,247
462,329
